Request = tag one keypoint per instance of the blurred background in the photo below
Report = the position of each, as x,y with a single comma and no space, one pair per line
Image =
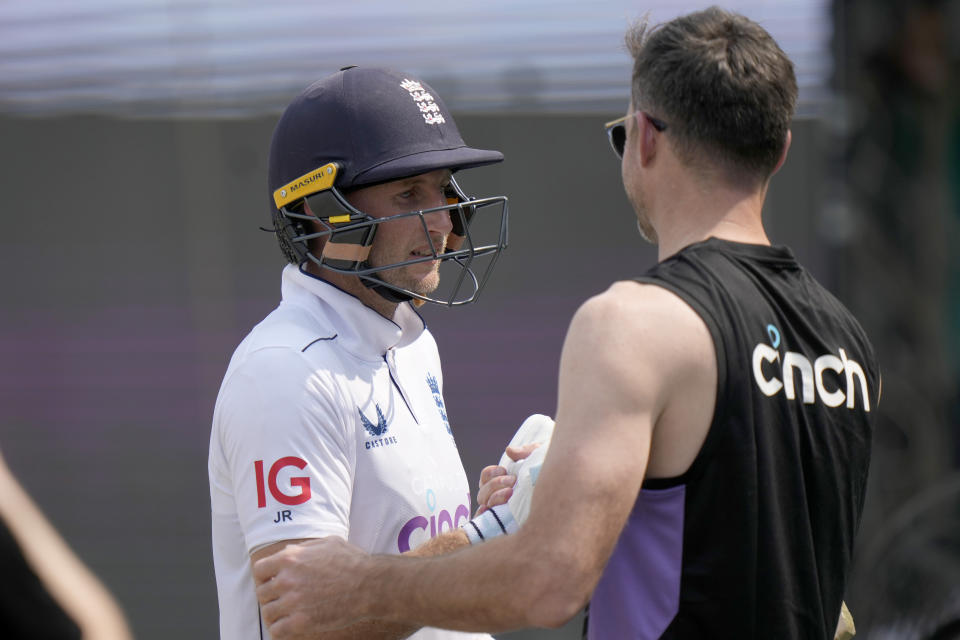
133,141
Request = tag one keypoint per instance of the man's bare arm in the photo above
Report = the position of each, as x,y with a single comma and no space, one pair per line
374,628
625,355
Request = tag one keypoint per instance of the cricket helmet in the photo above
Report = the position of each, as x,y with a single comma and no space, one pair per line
364,126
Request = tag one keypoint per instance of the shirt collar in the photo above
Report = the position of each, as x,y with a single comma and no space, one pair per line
360,330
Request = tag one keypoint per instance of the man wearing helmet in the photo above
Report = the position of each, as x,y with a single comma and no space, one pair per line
330,419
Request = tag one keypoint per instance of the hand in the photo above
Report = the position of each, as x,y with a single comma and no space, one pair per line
528,470
507,518
310,587
537,429
496,484
496,481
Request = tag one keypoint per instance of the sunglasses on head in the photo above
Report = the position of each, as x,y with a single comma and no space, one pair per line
617,130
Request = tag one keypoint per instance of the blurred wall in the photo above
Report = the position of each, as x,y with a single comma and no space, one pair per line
132,264
895,177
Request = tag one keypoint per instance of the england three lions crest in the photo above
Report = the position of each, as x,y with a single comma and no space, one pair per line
424,101
438,400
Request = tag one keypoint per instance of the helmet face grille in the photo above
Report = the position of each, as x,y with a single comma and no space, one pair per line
285,229
337,237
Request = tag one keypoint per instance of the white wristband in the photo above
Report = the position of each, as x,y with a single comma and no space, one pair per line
496,521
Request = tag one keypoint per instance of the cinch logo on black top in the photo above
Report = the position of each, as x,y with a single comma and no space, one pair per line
812,384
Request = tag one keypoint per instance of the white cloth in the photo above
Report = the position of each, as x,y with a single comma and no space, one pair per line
330,421
536,428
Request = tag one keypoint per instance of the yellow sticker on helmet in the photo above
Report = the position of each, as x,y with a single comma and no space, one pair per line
317,180
338,219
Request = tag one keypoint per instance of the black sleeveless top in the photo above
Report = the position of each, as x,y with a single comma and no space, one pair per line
755,540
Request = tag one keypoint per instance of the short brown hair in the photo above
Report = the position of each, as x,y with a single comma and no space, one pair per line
722,84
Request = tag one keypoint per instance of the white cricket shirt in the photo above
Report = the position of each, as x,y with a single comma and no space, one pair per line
330,421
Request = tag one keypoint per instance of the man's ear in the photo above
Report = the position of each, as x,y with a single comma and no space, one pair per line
647,139
783,155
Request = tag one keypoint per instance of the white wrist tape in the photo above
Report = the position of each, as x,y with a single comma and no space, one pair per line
496,521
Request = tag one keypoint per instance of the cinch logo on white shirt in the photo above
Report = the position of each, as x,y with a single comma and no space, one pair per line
436,524
812,383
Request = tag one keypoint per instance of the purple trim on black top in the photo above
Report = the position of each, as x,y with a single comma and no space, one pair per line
639,592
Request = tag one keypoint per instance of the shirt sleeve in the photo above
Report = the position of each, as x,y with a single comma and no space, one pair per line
284,436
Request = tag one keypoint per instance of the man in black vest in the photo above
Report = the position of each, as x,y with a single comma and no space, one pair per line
708,467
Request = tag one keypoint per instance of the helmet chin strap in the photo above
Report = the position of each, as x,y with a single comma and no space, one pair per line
387,293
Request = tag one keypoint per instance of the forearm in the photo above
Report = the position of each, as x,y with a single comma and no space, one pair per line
501,585
379,629
370,630
443,544
540,576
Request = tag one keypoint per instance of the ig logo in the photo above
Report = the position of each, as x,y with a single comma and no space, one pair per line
303,482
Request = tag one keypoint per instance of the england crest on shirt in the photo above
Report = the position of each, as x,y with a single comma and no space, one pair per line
438,400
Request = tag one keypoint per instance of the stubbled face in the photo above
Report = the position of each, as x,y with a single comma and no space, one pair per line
404,239
647,232
630,172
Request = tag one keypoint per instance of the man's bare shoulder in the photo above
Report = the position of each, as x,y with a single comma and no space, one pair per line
642,351
630,306
638,325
